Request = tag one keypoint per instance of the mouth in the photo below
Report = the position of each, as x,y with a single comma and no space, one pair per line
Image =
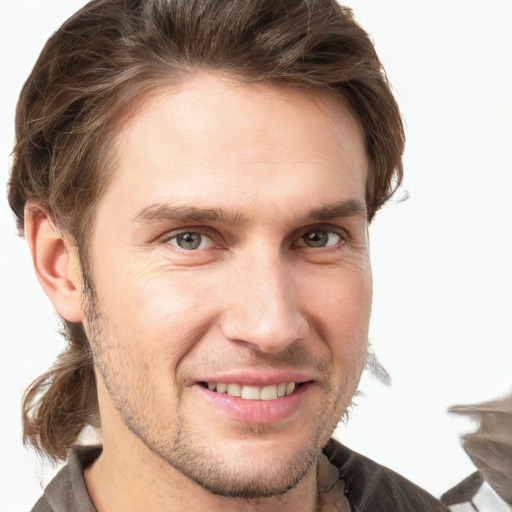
245,392
257,399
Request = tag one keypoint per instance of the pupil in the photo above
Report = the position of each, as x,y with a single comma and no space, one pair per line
189,241
316,238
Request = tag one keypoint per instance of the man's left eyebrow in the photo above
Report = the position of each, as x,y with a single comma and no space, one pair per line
346,208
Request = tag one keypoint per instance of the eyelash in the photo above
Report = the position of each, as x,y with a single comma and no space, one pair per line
342,235
203,231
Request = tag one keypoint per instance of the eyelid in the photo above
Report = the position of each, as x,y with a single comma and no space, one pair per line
202,230
338,230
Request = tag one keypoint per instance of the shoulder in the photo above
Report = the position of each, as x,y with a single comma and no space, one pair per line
67,491
373,488
42,505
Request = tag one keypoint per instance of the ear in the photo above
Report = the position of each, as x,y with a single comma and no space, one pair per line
55,261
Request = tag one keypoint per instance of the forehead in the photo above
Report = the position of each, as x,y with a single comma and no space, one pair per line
212,131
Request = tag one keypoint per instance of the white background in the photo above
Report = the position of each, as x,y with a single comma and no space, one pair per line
442,322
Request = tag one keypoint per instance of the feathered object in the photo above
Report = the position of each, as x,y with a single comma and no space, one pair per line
490,447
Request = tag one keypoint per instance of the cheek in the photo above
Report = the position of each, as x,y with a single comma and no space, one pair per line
162,311
342,309
343,297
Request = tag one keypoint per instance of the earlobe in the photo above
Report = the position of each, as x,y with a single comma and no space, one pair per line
55,261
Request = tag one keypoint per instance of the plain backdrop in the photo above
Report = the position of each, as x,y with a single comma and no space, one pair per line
442,314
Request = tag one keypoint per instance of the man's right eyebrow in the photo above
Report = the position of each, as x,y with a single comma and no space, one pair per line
166,212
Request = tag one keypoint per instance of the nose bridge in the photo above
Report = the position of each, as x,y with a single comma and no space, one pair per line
263,306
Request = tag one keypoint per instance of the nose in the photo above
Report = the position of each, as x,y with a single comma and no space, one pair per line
263,304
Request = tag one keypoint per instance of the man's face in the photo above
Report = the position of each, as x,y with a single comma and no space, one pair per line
229,255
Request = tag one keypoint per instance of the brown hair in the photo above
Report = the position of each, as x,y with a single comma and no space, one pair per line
110,53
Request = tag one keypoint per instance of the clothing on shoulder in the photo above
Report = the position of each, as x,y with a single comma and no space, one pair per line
369,487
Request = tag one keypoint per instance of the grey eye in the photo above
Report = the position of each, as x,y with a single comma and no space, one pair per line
320,238
188,241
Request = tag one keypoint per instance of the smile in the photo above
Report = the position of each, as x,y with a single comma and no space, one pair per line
245,392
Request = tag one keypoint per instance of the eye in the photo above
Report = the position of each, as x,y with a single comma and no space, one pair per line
190,241
320,238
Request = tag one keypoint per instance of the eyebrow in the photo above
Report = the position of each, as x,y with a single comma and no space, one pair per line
342,209
168,212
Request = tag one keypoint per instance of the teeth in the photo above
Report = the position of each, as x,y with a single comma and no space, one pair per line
268,393
290,388
234,390
254,392
250,392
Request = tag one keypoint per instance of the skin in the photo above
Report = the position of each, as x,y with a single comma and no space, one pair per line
254,301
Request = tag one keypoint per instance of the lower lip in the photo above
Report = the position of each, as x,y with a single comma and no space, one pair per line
259,412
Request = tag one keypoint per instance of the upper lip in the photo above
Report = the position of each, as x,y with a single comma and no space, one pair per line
258,377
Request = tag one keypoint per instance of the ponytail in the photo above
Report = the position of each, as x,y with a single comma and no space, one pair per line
62,401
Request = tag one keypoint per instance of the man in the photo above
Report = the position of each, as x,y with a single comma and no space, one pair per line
195,181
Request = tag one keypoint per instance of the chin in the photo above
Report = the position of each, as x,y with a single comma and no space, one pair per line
248,475
257,465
